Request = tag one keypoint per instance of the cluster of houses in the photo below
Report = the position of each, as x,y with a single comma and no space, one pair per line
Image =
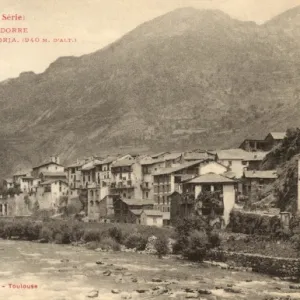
154,189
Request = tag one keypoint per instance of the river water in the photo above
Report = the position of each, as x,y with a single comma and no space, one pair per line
62,272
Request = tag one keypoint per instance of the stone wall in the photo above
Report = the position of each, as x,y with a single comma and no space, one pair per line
276,266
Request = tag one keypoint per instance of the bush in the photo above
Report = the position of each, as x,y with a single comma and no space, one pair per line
116,234
185,227
197,246
92,235
31,231
137,241
77,232
109,244
161,246
214,239
46,234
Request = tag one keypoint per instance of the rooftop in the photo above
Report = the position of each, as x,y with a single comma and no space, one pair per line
46,164
126,162
52,181
166,171
255,156
211,178
148,162
270,174
195,155
232,154
90,165
156,155
150,212
172,155
54,174
137,202
136,212
277,135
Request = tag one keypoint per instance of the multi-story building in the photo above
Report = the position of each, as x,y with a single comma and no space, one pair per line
52,166
50,193
126,178
149,166
234,159
97,178
74,179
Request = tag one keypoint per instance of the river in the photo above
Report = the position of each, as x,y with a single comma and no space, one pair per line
62,272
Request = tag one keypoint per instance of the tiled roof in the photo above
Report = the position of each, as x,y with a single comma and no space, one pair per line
137,202
136,212
148,162
9,180
75,165
195,155
255,156
52,181
54,174
46,164
159,154
172,155
90,165
270,174
123,163
23,172
150,212
211,178
278,135
166,171
232,154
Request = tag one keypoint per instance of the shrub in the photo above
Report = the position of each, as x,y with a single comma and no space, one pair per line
92,235
214,239
109,244
116,234
161,246
185,227
46,234
77,232
137,241
32,231
197,246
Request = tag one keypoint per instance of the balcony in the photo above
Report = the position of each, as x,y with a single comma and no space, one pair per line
93,185
145,186
122,185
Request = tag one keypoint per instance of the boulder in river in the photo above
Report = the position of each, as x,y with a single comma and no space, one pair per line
115,291
93,294
107,273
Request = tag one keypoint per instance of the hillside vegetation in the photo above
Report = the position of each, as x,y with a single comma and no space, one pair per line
190,78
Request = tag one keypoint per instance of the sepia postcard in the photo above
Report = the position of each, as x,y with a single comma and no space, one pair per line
150,149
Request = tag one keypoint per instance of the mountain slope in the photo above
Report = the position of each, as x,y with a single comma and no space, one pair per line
194,71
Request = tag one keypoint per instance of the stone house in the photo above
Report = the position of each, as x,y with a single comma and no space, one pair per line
130,210
152,218
220,186
255,181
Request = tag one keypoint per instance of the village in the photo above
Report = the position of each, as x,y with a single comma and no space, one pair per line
155,189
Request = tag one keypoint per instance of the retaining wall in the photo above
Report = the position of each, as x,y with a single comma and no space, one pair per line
276,266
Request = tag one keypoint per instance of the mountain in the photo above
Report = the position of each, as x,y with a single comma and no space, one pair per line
188,79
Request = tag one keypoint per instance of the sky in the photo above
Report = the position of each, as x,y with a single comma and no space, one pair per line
96,23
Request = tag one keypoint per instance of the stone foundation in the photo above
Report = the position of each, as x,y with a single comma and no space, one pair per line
275,266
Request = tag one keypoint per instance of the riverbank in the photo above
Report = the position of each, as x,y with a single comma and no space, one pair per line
64,272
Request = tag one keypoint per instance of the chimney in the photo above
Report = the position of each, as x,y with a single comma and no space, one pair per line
54,159
298,185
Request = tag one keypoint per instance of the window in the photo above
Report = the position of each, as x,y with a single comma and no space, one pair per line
229,163
120,176
147,194
158,199
124,195
154,220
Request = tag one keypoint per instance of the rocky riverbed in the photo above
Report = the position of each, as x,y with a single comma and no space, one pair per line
33,271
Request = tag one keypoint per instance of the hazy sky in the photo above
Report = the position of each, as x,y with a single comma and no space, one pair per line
96,23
